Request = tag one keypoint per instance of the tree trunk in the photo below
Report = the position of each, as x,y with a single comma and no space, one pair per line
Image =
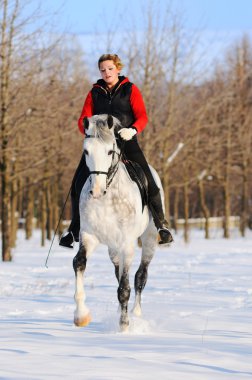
14,213
55,207
49,212
167,196
4,165
244,201
61,202
175,212
43,217
204,208
29,211
186,212
226,221
5,214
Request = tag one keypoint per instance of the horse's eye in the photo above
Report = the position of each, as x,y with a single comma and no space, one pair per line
86,152
110,152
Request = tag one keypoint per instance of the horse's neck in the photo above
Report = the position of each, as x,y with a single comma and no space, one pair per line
121,177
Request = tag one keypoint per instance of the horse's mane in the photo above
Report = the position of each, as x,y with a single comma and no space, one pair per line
101,129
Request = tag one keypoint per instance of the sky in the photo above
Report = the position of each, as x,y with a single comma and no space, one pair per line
81,16
218,24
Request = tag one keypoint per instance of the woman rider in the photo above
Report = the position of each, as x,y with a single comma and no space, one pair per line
117,96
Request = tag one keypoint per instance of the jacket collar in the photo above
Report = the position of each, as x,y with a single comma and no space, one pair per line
102,84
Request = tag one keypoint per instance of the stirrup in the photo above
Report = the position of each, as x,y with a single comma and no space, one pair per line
67,240
165,236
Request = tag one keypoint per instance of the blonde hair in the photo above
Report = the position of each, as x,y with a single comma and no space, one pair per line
111,57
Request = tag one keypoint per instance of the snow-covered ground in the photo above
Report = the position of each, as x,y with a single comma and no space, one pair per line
196,324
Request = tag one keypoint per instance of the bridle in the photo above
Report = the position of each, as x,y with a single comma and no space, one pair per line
112,169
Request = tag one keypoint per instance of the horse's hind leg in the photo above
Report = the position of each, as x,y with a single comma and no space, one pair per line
81,315
148,249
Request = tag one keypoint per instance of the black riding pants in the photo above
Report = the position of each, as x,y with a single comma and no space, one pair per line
134,153
79,179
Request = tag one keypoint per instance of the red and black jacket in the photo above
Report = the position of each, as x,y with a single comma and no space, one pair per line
124,102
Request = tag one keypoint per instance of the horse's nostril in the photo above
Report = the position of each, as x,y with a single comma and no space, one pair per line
91,192
104,192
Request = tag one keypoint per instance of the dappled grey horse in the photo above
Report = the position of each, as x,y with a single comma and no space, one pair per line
111,213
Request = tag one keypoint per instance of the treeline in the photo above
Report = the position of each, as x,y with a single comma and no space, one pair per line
198,136
200,140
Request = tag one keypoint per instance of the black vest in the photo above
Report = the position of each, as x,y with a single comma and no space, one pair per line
116,103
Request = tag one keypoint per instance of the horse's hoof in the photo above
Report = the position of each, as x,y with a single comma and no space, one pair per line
137,311
82,321
124,327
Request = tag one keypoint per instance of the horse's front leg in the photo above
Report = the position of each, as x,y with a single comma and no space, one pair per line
82,315
114,257
123,291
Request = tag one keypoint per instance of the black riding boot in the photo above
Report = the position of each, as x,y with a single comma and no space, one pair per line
155,205
72,235
67,240
79,179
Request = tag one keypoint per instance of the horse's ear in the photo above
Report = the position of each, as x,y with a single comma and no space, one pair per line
110,121
85,123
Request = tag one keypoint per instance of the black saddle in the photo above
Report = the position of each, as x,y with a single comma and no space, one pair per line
137,175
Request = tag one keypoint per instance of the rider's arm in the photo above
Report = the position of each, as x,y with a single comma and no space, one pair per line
87,111
138,107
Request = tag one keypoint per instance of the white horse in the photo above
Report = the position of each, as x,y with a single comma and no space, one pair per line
111,213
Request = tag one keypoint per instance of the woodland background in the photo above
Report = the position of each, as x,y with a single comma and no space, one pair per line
199,135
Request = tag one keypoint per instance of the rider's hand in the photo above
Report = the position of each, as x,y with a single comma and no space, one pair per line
127,133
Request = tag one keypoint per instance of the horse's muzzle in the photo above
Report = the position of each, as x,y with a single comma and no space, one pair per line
97,195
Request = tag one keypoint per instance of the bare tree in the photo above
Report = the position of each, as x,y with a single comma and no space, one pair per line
40,87
6,44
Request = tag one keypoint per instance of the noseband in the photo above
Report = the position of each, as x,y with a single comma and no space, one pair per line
112,169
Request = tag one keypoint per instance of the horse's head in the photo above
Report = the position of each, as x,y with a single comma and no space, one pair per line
101,151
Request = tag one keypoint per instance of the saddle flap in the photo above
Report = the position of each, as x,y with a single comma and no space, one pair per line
137,175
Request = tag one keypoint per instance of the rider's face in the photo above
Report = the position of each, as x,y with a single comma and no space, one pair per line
109,72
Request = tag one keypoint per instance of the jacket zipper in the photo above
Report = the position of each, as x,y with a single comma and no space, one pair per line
109,93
